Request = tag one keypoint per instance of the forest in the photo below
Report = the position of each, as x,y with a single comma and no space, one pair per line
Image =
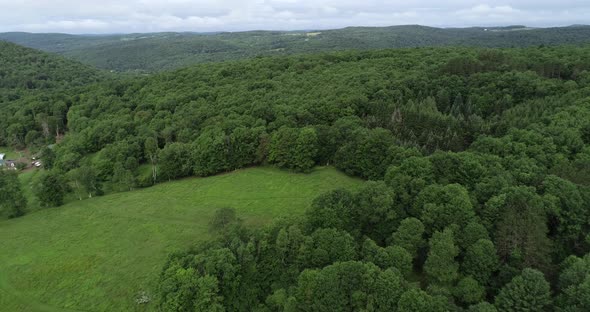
153,52
476,161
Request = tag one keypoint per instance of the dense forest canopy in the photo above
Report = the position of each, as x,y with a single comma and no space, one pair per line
164,51
35,94
478,163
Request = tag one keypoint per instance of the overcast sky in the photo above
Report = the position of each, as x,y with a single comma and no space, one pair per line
125,16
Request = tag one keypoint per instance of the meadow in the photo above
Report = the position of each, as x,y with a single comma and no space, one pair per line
99,254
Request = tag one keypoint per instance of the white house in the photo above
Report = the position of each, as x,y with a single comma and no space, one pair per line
2,156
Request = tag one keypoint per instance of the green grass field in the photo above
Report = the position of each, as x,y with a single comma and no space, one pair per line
9,153
97,254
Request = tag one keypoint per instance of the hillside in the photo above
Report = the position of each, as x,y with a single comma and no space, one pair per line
477,161
42,83
97,255
164,51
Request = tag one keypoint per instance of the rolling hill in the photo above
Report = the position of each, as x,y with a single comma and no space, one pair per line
96,255
165,51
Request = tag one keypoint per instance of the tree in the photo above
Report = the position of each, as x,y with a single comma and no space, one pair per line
123,179
12,200
469,291
50,188
294,149
328,246
209,152
409,236
443,205
480,261
151,152
440,266
47,155
473,232
416,300
84,180
374,213
332,210
482,307
175,161
348,286
389,257
407,181
574,285
207,297
568,212
282,145
306,150
223,220
521,234
365,153
527,292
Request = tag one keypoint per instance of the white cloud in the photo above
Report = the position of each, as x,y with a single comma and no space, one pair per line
110,16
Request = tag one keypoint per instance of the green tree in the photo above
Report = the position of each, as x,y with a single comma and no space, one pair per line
151,152
527,292
480,261
374,213
306,150
294,149
469,291
84,180
50,188
328,246
443,205
521,234
122,179
389,257
416,300
409,235
210,151
441,266
574,285
223,220
365,153
482,307
207,297
12,200
175,161
332,210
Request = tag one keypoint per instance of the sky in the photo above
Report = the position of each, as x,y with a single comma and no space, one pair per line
127,16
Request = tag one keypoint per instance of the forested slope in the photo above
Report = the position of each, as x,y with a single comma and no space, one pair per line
479,160
35,93
164,51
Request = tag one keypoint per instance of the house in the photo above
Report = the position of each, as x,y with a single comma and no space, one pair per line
8,164
2,159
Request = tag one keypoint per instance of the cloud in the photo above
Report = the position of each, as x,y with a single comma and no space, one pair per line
110,16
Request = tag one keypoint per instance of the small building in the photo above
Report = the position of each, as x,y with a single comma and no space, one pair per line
2,160
8,164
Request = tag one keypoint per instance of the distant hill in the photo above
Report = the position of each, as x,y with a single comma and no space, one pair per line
26,69
39,81
164,51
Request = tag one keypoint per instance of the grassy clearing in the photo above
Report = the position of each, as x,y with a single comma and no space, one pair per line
10,153
95,255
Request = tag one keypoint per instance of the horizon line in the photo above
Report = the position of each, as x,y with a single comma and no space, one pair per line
294,30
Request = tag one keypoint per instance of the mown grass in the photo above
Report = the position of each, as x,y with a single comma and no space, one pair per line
10,153
97,254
